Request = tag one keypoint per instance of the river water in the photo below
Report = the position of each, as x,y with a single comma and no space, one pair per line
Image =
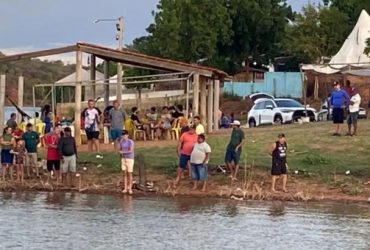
80,221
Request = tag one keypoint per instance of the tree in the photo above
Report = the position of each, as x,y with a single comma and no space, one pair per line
225,32
318,32
258,28
367,49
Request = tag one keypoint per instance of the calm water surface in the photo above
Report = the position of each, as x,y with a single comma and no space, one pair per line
78,221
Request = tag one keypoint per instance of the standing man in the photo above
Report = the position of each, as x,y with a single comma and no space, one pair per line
68,152
31,139
52,154
12,122
339,100
92,117
184,150
234,149
354,108
117,119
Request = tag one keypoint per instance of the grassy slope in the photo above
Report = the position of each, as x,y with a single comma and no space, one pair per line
311,148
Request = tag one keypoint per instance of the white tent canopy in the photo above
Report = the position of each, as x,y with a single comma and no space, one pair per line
351,53
85,77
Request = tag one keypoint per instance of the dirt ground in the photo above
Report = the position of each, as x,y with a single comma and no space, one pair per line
94,180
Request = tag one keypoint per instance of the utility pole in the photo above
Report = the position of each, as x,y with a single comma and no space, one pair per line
119,37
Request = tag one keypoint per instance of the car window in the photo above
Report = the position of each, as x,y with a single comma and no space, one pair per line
268,103
259,105
288,104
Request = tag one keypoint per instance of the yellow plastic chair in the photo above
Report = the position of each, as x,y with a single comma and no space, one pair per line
128,126
138,132
40,129
175,130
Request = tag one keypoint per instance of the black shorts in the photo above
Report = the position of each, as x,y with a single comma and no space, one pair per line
92,135
278,168
338,115
53,164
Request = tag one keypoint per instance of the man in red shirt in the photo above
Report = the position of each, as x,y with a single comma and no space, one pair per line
184,149
52,155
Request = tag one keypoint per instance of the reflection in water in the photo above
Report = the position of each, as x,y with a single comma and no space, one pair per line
231,209
277,209
126,222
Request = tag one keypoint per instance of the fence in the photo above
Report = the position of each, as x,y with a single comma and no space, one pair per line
278,84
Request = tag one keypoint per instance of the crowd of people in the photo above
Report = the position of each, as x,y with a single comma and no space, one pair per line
19,149
19,154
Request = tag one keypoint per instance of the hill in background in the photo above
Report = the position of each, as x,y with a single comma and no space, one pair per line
34,71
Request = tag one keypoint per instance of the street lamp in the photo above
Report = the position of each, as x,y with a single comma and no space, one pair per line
119,38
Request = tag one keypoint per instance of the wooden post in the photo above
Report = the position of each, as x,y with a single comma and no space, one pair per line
203,101
93,76
216,104
316,88
196,94
78,93
20,95
210,106
119,82
2,101
106,85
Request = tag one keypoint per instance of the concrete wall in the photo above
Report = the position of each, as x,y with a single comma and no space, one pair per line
278,84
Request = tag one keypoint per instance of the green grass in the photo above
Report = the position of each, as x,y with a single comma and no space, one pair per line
311,148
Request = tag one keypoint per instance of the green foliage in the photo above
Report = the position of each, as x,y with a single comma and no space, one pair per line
367,49
315,159
225,32
319,32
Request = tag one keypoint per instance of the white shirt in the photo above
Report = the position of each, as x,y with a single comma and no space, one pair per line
199,153
355,107
91,118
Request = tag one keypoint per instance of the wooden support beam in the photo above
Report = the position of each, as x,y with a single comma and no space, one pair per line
196,86
216,104
78,96
316,88
93,76
210,106
106,80
2,101
40,53
203,100
20,95
136,59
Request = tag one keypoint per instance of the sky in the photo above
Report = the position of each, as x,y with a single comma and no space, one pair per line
27,25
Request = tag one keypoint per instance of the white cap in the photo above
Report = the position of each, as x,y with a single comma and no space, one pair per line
236,122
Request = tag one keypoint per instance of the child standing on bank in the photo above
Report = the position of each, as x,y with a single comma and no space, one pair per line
126,150
20,157
199,162
279,168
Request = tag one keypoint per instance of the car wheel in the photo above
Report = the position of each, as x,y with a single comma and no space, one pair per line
278,120
252,123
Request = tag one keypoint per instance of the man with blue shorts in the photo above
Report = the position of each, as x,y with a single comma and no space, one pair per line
117,118
234,149
199,162
184,150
